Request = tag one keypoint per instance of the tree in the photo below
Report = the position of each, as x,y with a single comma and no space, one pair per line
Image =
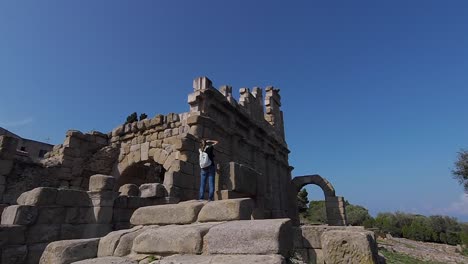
143,116
317,214
302,200
357,215
132,118
460,173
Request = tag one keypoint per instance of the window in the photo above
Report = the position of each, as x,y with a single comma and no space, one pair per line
23,148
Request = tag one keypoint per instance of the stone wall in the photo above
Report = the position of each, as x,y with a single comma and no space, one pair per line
45,214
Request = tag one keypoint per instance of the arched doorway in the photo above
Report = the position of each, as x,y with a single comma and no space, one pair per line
142,172
334,205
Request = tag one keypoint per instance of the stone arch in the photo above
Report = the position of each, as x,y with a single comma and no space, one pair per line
316,179
142,172
137,156
334,205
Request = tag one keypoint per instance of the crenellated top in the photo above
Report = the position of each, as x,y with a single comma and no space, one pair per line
251,102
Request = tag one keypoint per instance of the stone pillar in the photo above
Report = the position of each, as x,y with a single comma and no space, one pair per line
102,197
8,147
336,211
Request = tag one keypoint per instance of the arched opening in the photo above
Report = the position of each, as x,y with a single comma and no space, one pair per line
311,205
142,172
334,205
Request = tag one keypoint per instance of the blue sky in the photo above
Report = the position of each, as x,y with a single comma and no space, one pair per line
373,92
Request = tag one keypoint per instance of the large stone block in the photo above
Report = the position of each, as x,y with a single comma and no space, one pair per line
174,239
109,243
312,234
238,177
107,260
67,197
122,215
12,235
100,182
51,215
79,215
126,241
153,190
181,213
14,254
68,251
19,215
129,190
223,259
273,236
39,196
35,252
227,210
69,231
42,233
349,246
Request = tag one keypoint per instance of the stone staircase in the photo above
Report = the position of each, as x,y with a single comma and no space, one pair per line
214,232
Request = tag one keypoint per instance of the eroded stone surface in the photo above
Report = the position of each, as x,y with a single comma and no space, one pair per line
227,210
272,236
181,213
223,259
106,260
68,251
173,239
349,246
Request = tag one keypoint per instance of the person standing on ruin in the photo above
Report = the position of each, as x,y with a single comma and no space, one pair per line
207,168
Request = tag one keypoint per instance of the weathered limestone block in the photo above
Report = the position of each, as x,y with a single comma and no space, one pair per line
14,254
109,243
312,234
145,151
349,246
129,190
42,233
68,251
38,196
223,259
12,235
315,256
101,182
107,260
35,252
19,215
153,190
51,215
227,210
126,241
184,239
103,198
238,177
67,197
272,236
181,213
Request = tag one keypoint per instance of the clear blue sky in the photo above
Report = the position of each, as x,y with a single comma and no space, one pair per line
374,92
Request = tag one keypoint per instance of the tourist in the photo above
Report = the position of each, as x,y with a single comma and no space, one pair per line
207,167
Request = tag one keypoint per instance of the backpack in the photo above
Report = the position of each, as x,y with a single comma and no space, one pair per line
204,159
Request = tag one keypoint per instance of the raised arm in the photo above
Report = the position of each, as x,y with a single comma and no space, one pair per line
212,142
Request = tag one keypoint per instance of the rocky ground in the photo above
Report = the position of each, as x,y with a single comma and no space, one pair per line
424,251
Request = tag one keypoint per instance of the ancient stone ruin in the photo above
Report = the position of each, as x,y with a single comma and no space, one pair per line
128,195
